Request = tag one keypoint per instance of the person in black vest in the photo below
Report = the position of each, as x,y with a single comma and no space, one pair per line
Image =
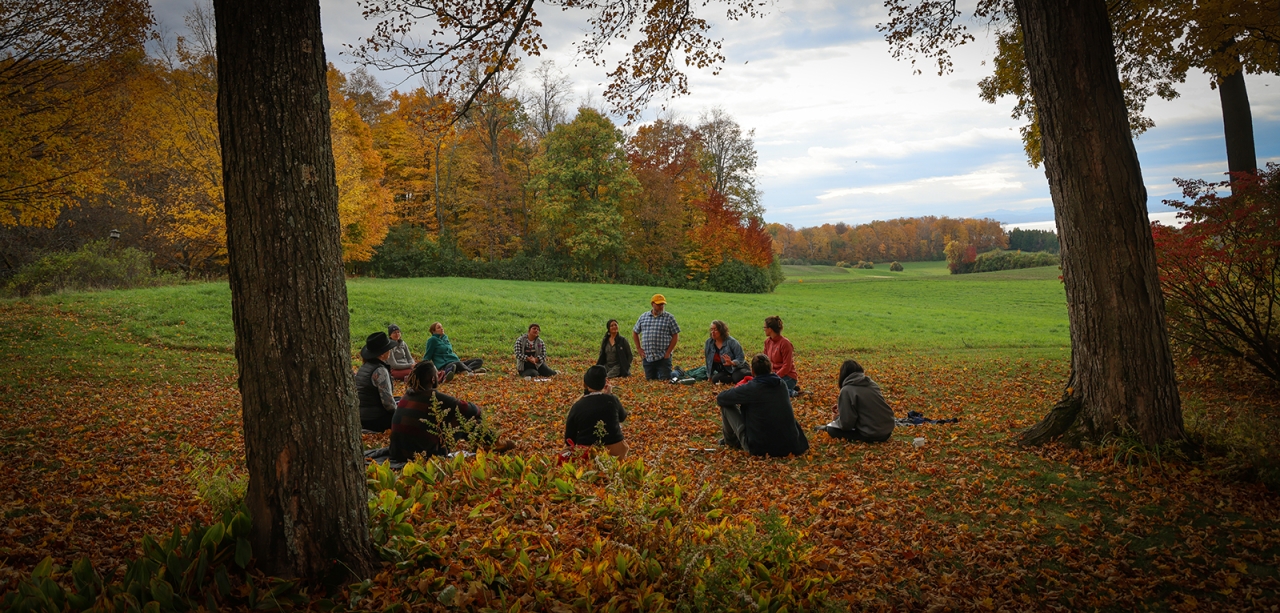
373,384
597,409
756,416
427,421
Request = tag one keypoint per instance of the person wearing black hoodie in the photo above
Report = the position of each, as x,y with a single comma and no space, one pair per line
373,384
757,416
862,414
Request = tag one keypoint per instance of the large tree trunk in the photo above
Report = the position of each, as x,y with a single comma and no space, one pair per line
307,490
1122,379
1237,123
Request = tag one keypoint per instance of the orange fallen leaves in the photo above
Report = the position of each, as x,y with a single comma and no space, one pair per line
969,521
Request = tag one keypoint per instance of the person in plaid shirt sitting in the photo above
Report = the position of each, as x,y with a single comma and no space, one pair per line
656,334
531,354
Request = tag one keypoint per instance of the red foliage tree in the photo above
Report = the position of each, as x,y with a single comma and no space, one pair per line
1220,273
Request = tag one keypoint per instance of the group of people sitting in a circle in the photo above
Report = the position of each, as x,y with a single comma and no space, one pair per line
756,414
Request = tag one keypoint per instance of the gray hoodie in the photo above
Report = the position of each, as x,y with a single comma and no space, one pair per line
400,358
863,409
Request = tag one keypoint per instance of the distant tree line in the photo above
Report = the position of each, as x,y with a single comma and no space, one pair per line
910,239
1033,240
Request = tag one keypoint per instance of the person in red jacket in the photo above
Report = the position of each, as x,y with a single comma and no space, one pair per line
781,354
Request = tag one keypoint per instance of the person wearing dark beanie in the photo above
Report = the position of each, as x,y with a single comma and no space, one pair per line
597,410
427,421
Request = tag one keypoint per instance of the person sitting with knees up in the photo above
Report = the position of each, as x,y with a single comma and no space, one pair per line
373,384
726,363
401,361
861,412
531,354
615,353
781,353
756,416
440,352
597,409
427,421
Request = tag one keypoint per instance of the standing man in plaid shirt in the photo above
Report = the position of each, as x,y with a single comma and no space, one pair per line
656,334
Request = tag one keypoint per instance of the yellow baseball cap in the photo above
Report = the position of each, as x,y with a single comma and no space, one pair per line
658,299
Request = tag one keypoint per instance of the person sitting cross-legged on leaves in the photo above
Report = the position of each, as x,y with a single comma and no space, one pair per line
726,363
780,353
427,421
598,409
401,361
439,351
756,415
373,384
861,412
531,354
615,352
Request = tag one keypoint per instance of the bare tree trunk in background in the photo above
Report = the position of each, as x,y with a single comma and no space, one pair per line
1122,378
1237,123
307,490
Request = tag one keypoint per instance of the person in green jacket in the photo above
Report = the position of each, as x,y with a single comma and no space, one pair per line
440,352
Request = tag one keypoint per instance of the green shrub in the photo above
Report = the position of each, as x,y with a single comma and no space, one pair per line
96,265
1010,260
865,265
411,252
670,545
895,267
217,485
181,573
738,278
843,264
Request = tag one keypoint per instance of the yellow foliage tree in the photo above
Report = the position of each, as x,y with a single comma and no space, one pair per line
61,70
364,205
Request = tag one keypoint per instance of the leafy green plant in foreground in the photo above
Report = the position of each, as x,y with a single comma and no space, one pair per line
473,533
180,573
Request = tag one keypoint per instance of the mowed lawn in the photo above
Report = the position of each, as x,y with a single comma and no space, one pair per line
101,390
919,311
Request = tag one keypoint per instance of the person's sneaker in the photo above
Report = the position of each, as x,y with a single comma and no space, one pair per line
478,371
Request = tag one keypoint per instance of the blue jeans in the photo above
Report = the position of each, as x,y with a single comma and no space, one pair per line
790,382
657,369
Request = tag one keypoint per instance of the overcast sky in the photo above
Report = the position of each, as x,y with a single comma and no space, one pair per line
846,133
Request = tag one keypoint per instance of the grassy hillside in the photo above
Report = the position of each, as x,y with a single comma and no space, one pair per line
920,309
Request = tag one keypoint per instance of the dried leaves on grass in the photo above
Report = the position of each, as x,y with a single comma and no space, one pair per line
92,461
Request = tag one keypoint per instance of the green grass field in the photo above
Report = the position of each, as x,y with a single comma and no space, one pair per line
921,309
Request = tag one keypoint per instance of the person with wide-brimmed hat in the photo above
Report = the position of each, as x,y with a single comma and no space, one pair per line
656,334
373,384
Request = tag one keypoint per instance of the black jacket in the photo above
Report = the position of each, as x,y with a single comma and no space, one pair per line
771,426
624,355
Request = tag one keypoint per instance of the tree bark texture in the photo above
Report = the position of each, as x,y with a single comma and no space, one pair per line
1122,378
1237,123
307,491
